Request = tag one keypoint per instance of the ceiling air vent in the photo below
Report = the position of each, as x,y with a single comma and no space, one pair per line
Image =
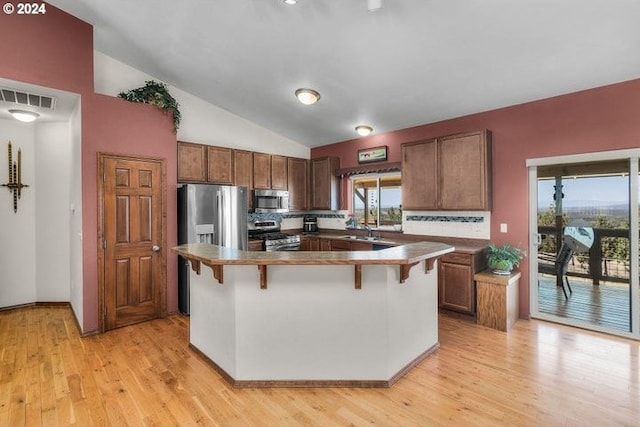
24,98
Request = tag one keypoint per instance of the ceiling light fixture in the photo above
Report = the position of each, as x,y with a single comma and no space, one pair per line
364,130
307,96
290,1
24,115
374,5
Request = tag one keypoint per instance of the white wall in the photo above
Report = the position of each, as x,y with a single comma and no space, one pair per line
75,213
52,172
202,122
17,230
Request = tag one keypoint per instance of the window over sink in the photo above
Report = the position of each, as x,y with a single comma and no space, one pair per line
377,200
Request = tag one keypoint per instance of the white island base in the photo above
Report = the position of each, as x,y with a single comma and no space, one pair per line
311,327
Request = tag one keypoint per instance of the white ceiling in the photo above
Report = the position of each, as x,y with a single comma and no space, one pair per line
411,63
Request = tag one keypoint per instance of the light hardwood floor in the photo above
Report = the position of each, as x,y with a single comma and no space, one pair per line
538,374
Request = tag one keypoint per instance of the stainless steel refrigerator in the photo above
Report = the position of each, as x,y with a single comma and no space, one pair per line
214,214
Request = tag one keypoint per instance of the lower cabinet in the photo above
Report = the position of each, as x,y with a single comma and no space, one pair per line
456,286
255,245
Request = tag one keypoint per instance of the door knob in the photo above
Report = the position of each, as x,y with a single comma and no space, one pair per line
155,248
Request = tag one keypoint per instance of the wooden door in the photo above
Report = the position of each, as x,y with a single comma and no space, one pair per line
133,241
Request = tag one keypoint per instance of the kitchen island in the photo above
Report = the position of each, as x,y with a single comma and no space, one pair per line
360,318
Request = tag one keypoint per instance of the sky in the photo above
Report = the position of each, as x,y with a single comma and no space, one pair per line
612,190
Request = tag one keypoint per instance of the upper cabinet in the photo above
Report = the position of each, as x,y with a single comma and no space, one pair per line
448,173
420,175
243,173
324,183
220,165
298,183
192,162
279,172
262,171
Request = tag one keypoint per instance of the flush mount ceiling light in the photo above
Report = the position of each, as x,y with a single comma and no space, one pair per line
364,130
24,115
374,5
307,96
290,1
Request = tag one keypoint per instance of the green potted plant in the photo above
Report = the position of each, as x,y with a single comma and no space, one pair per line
502,259
157,94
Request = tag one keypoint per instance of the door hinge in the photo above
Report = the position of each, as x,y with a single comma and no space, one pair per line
104,243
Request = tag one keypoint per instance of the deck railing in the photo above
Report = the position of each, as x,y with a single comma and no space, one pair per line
594,264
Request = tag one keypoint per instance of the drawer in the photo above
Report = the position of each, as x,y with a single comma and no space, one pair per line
457,258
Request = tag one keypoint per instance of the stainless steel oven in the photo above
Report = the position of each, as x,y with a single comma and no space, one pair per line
271,201
273,239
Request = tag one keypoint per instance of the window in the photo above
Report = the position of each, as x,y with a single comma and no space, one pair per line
377,200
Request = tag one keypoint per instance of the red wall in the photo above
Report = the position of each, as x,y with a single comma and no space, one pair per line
600,119
56,50
120,127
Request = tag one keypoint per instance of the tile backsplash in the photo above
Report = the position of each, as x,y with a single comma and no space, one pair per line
463,224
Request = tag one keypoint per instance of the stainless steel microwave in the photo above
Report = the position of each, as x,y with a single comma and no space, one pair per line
271,201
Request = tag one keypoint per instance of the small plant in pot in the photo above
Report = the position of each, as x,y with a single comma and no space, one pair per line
502,259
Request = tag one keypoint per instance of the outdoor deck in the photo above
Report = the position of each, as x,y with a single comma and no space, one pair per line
605,305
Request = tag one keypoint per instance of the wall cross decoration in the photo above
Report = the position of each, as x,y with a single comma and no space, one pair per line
15,184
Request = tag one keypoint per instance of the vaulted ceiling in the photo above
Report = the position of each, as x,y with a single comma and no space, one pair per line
410,63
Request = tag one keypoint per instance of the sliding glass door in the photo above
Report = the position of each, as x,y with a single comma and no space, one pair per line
584,259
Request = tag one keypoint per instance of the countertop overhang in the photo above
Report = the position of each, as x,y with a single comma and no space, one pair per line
405,256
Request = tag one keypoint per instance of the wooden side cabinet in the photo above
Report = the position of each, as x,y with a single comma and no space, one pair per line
278,172
448,173
243,173
464,168
298,183
220,165
192,162
262,171
419,175
498,303
456,286
324,183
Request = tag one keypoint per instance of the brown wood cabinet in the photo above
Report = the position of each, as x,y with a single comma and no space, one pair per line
255,245
324,183
243,173
419,175
262,171
311,243
298,183
192,162
456,286
278,172
350,245
464,165
448,173
220,165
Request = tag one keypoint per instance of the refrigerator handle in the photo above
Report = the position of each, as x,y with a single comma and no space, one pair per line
219,212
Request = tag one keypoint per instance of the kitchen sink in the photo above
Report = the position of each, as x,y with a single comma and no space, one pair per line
367,238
